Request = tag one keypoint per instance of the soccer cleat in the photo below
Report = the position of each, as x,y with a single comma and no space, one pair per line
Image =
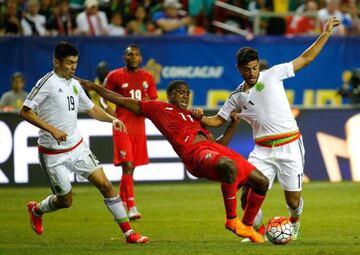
296,230
35,221
136,238
240,229
260,229
133,213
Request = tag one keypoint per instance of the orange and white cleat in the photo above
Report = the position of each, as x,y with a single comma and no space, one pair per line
242,230
35,221
137,238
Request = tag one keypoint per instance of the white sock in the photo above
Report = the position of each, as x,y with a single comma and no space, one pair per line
295,213
46,205
258,219
116,208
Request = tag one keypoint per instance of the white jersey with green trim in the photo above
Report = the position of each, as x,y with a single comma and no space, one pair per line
265,106
57,101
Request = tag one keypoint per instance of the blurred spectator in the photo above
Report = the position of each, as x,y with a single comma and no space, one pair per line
277,25
33,23
351,86
12,17
141,25
102,70
151,6
330,10
76,6
46,9
91,21
263,65
201,11
348,7
115,27
62,22
120,6
171,20
12,100
305,25
234,19
256,6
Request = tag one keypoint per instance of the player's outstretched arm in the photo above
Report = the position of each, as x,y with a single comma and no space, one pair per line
310,53
210,121
130,104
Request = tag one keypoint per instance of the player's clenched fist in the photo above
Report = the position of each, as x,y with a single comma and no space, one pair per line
331,23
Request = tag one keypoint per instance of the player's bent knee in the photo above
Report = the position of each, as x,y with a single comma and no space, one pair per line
260,183
264,184
226,169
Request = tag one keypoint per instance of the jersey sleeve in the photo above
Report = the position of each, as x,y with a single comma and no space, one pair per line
85,103
148,108
230,105
109,81
4,100
37,95
282,71
152,92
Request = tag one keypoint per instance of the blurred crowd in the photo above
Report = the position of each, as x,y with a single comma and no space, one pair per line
170,17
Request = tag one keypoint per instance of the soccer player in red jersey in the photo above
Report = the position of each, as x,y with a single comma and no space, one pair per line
130,149
202,156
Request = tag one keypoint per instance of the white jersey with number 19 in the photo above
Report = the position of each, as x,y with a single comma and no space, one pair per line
57,100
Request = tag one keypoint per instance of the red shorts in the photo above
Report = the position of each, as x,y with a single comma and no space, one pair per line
201,159
129,148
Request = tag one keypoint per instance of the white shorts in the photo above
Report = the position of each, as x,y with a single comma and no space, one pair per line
58,167
286,162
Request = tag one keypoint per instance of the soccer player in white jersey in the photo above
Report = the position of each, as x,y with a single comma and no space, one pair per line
53,105
262,102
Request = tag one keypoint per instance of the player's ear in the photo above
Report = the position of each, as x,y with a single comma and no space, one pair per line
56,62
169,97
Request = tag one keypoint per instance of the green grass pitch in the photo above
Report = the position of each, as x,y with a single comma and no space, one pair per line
180,219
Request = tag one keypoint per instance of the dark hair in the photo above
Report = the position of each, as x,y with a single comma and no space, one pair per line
245,55
17,75
174,85
65,49
131,46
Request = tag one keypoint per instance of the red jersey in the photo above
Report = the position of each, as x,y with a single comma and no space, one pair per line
138,85
176,124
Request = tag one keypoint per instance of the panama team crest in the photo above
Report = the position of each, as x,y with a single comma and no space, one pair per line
259,86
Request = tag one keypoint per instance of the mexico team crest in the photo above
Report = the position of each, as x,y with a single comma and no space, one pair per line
259,86
75,89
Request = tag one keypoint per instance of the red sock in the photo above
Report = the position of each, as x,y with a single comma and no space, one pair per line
125,226
254,202
293,220
128,183
229,196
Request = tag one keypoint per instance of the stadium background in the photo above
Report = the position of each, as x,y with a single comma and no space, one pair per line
208,64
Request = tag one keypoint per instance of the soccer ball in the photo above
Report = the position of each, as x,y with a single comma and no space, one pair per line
279,230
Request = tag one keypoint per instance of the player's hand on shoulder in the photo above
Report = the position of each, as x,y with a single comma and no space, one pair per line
86,84
331,23
59,135
197,113
119,126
